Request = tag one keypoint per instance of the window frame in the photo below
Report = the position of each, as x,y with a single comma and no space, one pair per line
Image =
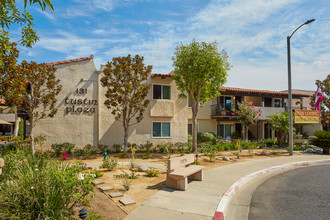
161,90
224,130
276,99
161,129
197,125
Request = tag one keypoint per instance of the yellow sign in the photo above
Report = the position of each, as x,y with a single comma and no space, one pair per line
307,116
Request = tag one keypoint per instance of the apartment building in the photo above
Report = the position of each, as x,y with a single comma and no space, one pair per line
82,118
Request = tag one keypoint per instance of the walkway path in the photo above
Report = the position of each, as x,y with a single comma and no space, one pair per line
201,199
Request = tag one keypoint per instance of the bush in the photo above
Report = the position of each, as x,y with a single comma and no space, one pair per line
90,150
38,188
109,164
206,138
102,148
151,172
67,147
79,152
125,175
270,142
321,139
236,135
210,151
116,148
305,135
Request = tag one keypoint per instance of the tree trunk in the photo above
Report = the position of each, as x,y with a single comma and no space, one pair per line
194,133
18,119
125,136
246,132
281,138
32,140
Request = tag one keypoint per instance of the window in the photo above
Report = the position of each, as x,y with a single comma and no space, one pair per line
277,103
268,102
224,130
190,128
161,92
161,129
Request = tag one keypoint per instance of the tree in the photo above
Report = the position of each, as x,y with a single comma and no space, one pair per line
31,87
125,81
280,124
247,115
325,103
199,72
9,15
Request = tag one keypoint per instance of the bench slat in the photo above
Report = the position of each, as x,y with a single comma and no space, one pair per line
176,162
187,171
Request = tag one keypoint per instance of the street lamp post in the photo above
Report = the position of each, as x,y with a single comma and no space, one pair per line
290,90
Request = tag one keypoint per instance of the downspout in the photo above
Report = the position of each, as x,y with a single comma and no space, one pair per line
98,108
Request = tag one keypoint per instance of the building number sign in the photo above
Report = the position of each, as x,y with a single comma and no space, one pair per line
80,105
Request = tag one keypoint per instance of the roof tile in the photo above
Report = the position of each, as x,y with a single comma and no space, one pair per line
69,61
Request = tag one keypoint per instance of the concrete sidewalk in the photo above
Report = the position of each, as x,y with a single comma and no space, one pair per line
201,199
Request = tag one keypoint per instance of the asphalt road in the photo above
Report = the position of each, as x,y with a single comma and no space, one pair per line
298,194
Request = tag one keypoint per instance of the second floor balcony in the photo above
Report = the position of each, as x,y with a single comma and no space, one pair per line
225,110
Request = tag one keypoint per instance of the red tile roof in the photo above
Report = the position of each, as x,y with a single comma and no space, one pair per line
263,92
70,61
170,74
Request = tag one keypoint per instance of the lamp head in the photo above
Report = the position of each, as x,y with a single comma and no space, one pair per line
309,21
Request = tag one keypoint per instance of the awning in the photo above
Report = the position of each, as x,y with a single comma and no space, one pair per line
3,122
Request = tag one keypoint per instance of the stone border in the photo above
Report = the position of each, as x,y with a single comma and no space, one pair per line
223,205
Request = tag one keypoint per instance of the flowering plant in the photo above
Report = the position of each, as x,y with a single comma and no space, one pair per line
247,115
64,155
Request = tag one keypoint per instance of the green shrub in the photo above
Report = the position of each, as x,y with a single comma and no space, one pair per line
220,146
236,135
206,137
321,139
297,148
125,175
94,173
147,147
123,154
79,152
67,147
90,150
210,151
109,164
145,156
305,135
116,148
102,148
151,172
127,185
270,142
161,148
38,188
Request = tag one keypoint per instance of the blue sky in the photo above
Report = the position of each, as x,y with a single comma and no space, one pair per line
253,33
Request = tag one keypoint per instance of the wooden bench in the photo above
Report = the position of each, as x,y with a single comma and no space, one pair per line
179,169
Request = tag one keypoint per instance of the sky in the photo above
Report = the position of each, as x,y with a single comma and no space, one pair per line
252,32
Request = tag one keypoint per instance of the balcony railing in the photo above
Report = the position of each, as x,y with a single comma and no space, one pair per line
226,109
222,109
295,108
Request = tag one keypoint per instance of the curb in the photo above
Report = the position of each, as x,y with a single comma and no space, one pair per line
221,210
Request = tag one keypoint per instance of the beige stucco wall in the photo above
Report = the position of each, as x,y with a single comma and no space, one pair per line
73,127
175,111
